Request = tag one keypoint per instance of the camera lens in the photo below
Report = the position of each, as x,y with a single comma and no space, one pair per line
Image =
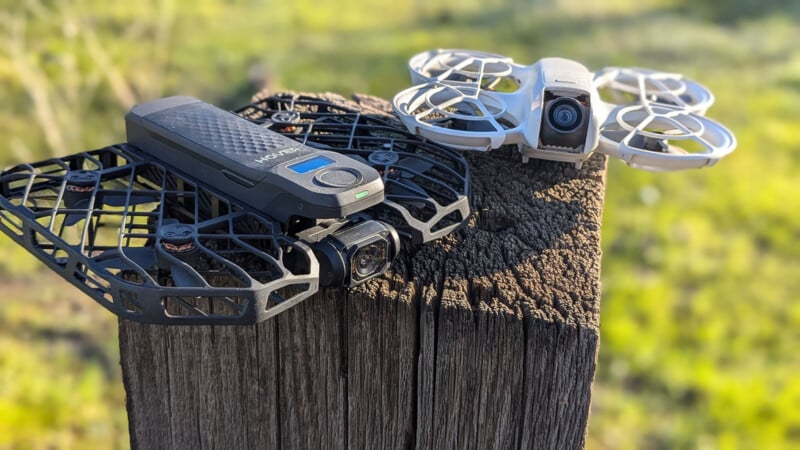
565,114
356,253
369,259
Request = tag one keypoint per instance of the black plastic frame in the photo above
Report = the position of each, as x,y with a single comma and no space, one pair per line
245,269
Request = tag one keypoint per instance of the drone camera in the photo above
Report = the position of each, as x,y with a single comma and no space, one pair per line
565,120
355,254
566,106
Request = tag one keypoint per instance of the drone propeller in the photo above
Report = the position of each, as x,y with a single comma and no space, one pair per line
401,170
414,165
638,86
143,257
660,137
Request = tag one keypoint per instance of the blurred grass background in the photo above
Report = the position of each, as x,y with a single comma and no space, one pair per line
701,269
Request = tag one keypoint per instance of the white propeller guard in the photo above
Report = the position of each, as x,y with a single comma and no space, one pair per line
669,126
433,98
656,87
442,64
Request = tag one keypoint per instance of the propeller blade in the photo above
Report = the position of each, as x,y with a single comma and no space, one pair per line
121,199
74,218
406,188
144,257
417,165
186,276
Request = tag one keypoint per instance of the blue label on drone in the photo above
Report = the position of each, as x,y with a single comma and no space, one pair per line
310,165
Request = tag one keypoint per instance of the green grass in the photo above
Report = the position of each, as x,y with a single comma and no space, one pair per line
60,383
701,269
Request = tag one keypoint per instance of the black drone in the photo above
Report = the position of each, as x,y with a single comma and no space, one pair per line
210,217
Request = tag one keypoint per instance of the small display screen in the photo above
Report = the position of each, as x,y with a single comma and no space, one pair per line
312,164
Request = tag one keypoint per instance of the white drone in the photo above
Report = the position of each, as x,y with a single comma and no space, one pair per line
552,109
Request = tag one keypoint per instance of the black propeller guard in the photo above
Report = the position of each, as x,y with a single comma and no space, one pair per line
151,244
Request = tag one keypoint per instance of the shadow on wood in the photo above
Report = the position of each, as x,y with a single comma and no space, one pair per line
484,339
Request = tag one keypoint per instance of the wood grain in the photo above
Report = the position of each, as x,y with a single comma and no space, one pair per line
484,339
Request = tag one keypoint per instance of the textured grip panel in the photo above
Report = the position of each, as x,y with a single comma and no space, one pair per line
246,161
228,135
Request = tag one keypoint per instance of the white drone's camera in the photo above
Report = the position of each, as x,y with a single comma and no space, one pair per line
562,122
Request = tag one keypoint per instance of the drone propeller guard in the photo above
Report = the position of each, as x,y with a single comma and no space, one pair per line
651,86
458,65
654,137
664,122
460,116
168,251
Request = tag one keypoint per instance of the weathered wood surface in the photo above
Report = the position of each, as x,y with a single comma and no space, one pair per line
485,339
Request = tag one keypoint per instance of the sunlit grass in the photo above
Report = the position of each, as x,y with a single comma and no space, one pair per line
701,269
59,374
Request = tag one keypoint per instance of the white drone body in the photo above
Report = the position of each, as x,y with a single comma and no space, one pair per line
552,110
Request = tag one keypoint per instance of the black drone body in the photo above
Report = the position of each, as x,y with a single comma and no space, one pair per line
276,175
204,217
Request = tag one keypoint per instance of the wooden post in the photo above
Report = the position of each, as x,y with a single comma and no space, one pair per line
484,339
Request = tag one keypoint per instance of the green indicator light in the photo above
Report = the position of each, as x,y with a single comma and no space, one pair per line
361,195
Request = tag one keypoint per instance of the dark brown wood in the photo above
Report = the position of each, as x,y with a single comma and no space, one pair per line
484,339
